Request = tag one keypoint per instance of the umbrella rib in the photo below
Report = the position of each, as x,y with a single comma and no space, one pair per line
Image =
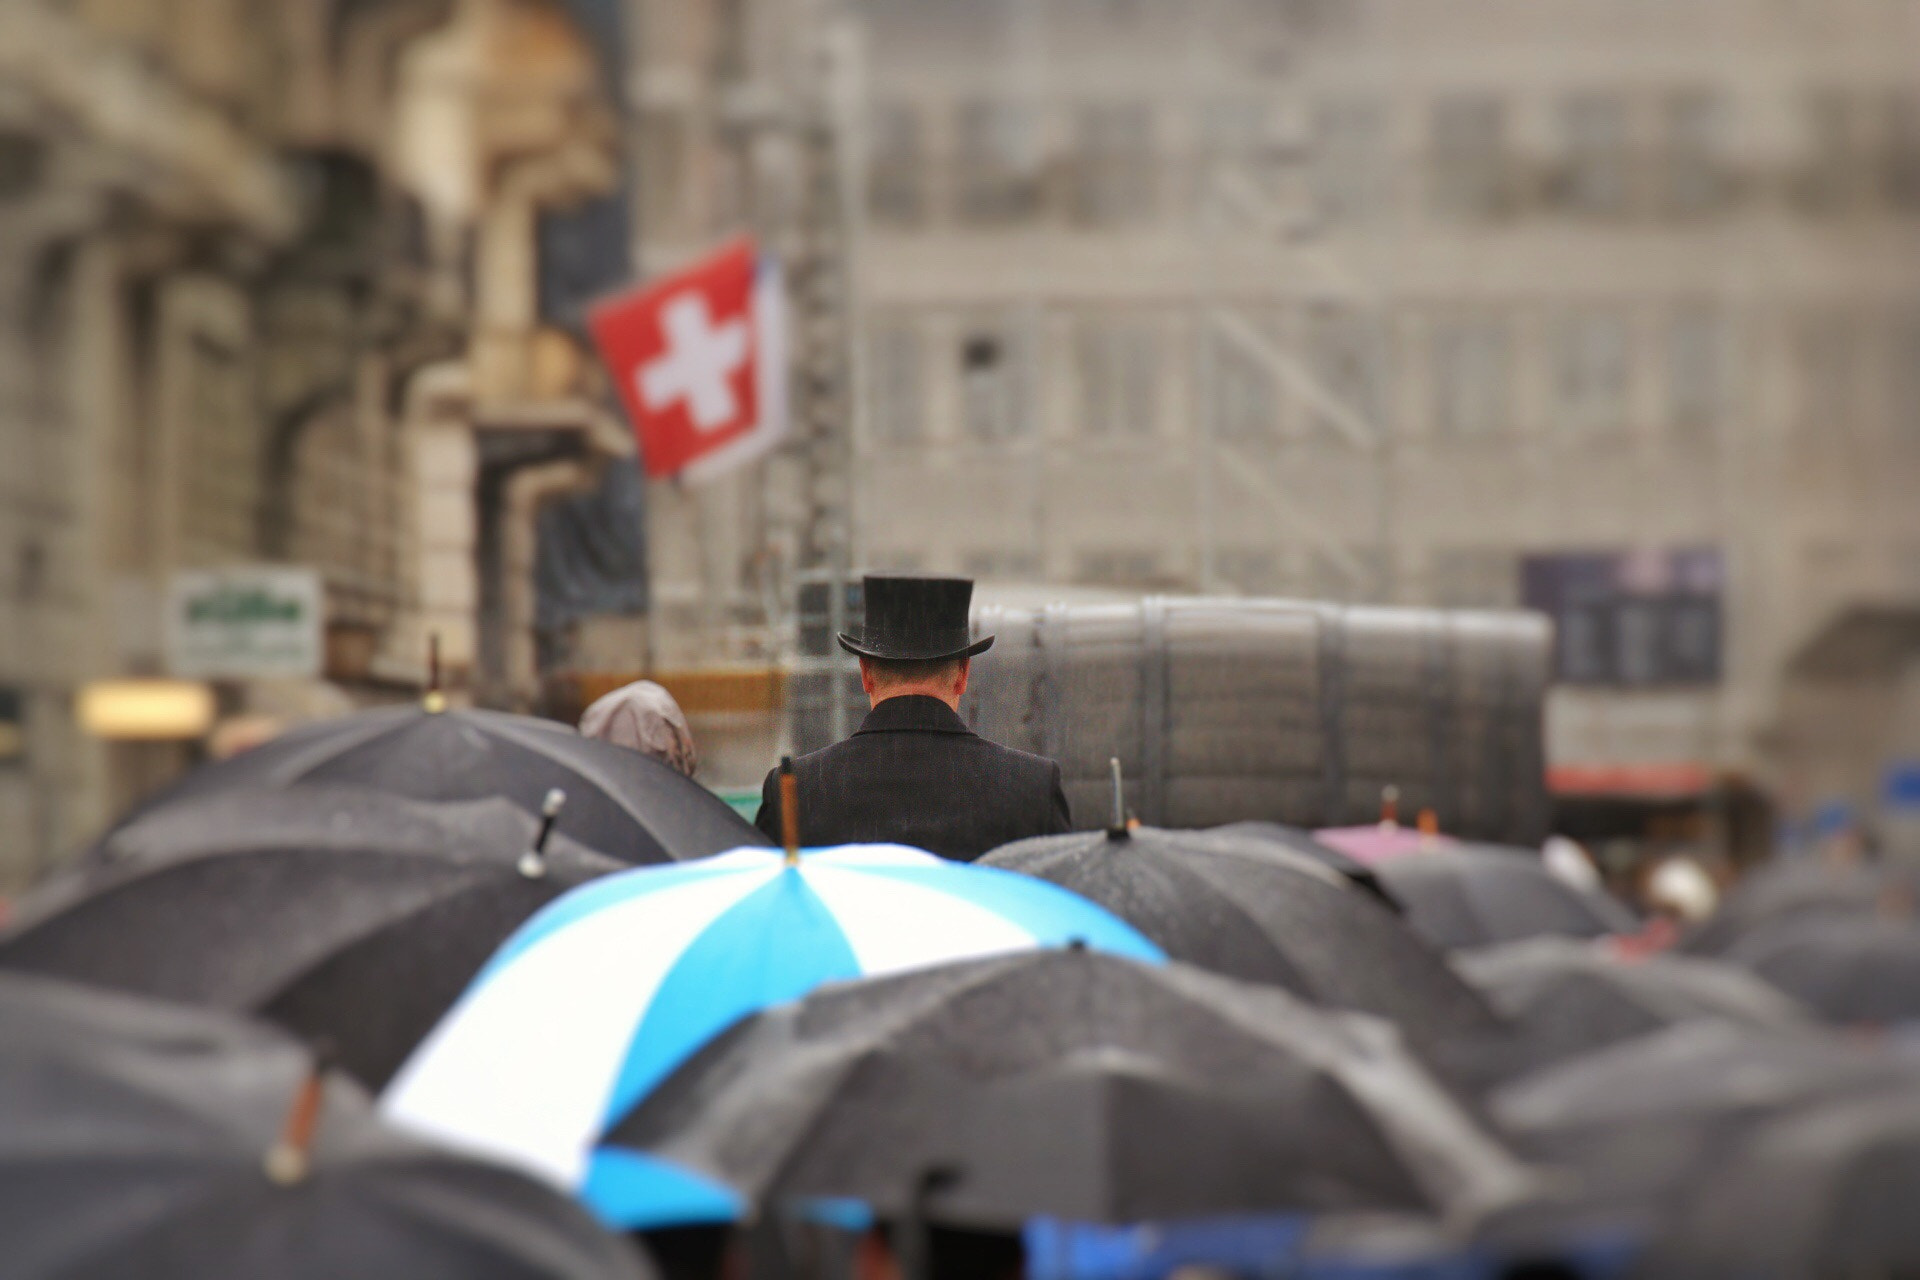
584,766
360,937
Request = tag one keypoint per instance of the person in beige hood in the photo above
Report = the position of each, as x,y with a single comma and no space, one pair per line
644,717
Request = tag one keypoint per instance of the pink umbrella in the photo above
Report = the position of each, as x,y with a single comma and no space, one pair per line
1378,842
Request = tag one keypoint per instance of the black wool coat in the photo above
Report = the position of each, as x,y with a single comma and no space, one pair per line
914,774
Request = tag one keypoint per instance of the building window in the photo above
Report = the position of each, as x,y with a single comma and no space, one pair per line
1903,366
1697,382
1348,355
899,392
897,562
1826,355
1118,567
896,167
993,382
1253,570
1475,578
1693,172
1002,565
1828,177
1349,152
1471,376
1900,153
1112,167
1234,127
1117,360
1590,372
997,162
1352,574
1470,177
1593,130
1243,402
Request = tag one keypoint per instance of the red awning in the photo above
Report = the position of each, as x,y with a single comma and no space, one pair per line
1660,780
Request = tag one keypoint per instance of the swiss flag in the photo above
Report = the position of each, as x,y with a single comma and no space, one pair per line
700,359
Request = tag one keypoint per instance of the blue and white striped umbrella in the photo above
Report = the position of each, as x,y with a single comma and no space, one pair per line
598,997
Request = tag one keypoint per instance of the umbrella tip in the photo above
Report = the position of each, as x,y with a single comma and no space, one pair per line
1119,828
533,863
290,1158
433,701
1076,944
1389,806
789,811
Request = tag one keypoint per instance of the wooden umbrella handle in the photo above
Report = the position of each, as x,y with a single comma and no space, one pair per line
288,1159
789,810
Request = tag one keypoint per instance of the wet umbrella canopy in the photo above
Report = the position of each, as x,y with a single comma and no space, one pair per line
1483,895
655,961
1073,1084
618,801
1846,968
1243,907
1299,841
1637,1118
1784,889
333,911
1825,1190
1568,997
139,1139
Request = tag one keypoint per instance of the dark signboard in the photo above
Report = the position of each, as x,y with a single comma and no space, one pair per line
1631,618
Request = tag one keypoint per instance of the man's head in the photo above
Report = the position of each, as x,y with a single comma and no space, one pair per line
942,678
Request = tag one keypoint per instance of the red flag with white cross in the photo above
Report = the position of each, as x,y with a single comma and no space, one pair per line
700,360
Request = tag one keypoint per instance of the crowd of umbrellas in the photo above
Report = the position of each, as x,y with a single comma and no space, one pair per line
425,993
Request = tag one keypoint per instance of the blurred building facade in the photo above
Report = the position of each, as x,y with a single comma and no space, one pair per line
272,275
1611,309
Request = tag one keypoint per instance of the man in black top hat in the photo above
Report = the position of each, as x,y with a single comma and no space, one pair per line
914,773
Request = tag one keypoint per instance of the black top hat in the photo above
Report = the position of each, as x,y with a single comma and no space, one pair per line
915,620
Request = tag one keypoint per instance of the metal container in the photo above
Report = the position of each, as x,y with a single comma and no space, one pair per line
1292,711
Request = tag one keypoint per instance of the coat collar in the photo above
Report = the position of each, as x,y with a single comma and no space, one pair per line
913,712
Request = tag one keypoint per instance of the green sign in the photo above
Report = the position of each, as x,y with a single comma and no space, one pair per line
254,622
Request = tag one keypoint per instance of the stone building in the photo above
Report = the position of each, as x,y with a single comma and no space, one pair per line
1612,308
271,273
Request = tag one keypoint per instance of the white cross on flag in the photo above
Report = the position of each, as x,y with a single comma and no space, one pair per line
700,360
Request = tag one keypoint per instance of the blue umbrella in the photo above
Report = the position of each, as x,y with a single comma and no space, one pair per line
600,996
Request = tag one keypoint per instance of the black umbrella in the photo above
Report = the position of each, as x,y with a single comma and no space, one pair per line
619,801
1639,1118
1249,909
1483,895
336,912
1302,842
1073,1084
1824,1190
143,1140
1568,997
1846,968
1783,889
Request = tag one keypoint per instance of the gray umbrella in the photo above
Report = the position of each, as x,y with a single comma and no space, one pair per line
1073,1084
1825,1190
620,802
1247,908
1483,895
143,1140
336,912
1302,842
1782,889
1638,1118
1846,968
1567,997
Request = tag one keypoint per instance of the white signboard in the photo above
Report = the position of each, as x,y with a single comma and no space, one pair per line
256,622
